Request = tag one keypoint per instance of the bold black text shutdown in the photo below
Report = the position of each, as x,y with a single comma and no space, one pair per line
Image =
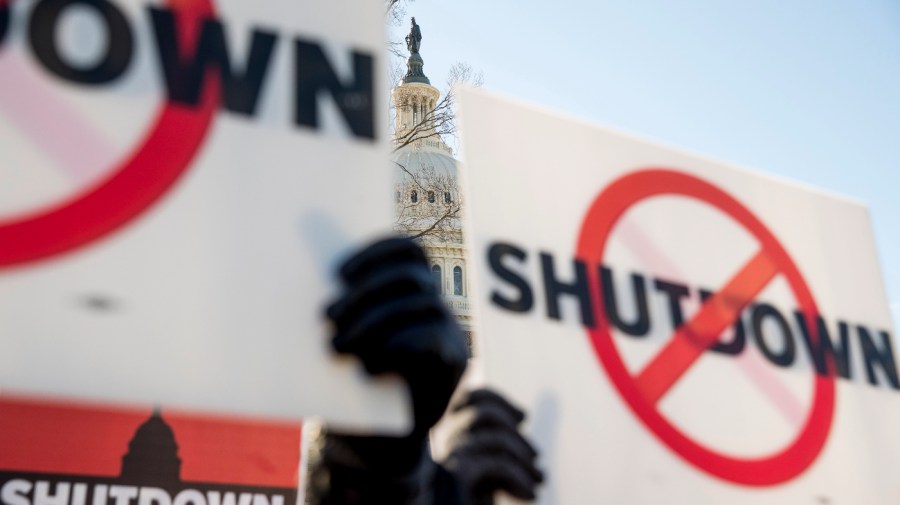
774,333
186,67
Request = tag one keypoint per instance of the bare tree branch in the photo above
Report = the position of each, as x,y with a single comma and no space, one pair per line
435,213
463,73
394,15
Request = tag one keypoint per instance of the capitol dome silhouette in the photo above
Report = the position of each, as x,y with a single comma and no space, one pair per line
152,456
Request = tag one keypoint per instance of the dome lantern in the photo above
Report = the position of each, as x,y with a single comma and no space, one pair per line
415,99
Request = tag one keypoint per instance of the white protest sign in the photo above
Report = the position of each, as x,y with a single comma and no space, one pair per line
679,330
179,181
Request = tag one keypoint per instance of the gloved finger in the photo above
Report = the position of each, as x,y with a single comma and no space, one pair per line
491,408
396,250
492,415
440,337
499,440
471,452
423,348
371,328
385,283
490,474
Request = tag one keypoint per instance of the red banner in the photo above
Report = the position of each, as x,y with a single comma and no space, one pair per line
64,453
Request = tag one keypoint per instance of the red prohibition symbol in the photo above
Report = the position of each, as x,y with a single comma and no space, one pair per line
643,390
140,179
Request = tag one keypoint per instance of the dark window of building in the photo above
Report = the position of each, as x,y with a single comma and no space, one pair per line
457,281
436,275
447,197
431,197
414,196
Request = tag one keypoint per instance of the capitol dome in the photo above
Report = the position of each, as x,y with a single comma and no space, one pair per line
428,199
422,158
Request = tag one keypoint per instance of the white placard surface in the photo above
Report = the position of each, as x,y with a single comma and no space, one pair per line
680,331
180,180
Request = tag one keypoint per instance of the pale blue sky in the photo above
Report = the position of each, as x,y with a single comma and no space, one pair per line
808,90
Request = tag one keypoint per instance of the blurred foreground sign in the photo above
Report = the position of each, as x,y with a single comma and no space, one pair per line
680,331
179,180
57,452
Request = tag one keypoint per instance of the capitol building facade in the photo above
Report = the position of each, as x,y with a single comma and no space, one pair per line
428,198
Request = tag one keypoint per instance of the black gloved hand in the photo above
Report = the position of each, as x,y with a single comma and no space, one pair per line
394,320
490,454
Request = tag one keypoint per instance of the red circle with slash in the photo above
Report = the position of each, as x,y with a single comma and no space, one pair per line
643,390
161,157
